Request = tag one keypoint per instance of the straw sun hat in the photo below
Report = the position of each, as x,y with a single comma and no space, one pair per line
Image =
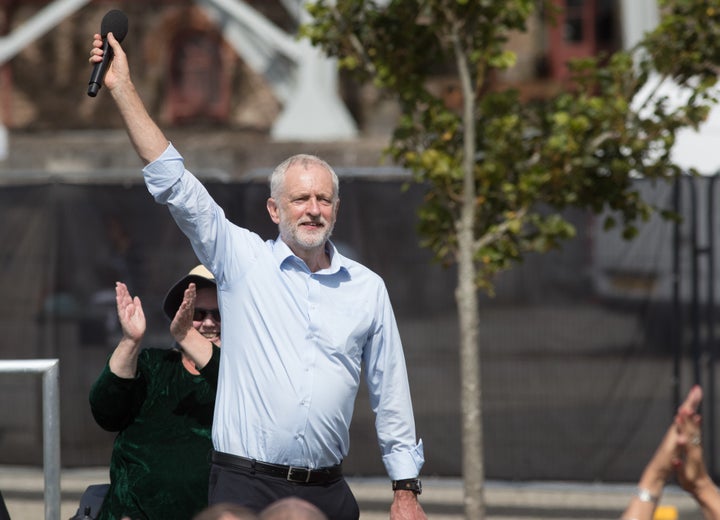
199,275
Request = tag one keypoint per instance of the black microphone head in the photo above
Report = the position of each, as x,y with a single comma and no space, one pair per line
115,22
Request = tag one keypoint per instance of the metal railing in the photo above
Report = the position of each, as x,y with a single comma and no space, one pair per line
51,424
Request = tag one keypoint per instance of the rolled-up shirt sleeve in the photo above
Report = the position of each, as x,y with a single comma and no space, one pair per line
195,212
405,464
162,174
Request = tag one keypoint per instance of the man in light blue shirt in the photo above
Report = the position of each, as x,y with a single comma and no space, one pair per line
301,323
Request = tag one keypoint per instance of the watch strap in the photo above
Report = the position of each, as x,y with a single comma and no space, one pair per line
408,484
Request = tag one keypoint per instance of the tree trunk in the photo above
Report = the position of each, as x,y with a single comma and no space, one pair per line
466,297
471,392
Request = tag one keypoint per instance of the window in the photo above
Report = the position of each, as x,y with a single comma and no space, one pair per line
582,28
199,89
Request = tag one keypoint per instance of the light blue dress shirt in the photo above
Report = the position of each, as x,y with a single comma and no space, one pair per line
294,342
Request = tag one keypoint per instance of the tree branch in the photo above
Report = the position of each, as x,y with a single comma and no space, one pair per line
499,231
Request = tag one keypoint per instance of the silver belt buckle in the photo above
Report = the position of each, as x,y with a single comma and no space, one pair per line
293,469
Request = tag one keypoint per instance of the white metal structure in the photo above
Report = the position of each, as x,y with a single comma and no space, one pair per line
49,368
44,20
305,82
313,110
693,148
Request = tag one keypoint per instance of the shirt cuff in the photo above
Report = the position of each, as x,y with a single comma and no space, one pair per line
405,464
161,174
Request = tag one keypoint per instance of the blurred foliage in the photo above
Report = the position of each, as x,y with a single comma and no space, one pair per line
582,148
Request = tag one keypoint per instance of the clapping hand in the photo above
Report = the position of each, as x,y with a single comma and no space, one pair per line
182,323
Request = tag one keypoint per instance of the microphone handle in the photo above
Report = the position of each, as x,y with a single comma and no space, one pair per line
99,69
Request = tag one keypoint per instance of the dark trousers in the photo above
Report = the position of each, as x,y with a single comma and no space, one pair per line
257,491
4,515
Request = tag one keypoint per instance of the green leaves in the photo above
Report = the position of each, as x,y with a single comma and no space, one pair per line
528,161
685,44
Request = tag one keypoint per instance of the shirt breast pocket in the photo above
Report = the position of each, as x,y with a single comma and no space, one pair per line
348,328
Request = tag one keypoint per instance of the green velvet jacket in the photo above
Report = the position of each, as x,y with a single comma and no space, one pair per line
159,467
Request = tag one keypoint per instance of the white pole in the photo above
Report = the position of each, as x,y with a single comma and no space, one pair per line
51,424
30,30
4,147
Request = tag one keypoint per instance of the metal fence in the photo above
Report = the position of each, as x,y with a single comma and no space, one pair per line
49,368
582,349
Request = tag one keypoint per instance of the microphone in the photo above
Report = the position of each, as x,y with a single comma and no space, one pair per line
115,22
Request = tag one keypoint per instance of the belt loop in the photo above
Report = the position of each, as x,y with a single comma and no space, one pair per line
252,466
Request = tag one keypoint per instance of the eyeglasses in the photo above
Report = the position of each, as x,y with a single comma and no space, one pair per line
202,314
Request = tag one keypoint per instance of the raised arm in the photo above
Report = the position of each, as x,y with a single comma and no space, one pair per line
670,457
147,138
193,344
119,391
691,472
123,361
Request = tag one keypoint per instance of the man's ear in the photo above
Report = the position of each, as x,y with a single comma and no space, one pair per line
273,210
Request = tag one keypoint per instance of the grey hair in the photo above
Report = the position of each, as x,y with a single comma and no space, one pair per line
277,177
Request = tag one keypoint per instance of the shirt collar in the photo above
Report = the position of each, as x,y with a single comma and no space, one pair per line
284,257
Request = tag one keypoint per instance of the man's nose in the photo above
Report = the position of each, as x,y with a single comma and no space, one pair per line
313,206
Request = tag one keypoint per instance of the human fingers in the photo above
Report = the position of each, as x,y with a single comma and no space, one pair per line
688,412
188,303
138,305
667,454
690,433
692,469
121,293
692,401
182,321
96,51
116,47
118,72
96,55
133,322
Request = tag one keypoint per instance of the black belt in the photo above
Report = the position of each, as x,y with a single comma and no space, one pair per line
290,473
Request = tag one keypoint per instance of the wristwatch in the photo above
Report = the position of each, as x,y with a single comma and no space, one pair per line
408,484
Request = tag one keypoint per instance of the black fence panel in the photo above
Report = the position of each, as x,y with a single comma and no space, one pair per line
578,359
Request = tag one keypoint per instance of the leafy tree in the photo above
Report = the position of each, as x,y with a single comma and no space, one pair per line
500,171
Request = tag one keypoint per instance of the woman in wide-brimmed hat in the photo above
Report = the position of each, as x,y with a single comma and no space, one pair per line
160,401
